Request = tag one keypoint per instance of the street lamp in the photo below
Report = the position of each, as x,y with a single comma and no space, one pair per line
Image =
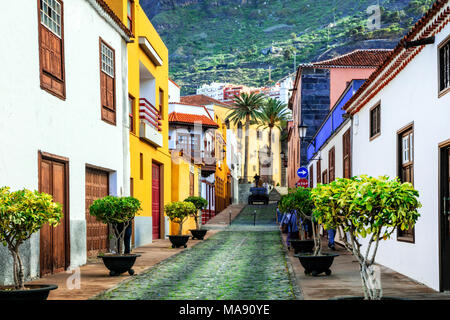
302,130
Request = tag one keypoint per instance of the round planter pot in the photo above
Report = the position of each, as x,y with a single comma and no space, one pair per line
302,246
32,292
118,264
198,233
179,241
316,265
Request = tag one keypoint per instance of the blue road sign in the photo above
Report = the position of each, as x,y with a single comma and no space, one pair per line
302,172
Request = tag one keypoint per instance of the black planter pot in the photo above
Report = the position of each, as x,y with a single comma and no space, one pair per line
315,265
302,246
118,264
179,241
360,298
198,233
33,292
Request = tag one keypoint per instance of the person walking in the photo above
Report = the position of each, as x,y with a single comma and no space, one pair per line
279,214
331,235
289,222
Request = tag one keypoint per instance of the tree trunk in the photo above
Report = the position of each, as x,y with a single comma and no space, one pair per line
17,269
316,236
270,154
247,128
372,289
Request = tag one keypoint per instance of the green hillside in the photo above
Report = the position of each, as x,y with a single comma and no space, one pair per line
223,40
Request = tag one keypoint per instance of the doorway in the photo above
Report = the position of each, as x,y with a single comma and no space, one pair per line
54,253
444,213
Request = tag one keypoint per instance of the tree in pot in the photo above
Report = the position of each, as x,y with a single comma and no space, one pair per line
200,204
23,213
363,207
300,200
118,213
178,212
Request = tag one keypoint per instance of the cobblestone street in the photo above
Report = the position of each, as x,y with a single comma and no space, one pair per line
245,261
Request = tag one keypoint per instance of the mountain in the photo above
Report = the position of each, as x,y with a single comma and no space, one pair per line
246,41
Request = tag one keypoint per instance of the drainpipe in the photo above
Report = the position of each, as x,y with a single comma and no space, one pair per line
125,122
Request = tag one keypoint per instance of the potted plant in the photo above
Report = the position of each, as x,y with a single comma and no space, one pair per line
178,212
298,199
23,213
316,262
118,213
200,204
366,207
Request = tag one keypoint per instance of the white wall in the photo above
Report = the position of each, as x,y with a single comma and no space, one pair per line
32,119
411,97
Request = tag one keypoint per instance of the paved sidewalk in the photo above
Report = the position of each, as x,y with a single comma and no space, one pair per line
95,277
222,219
345,280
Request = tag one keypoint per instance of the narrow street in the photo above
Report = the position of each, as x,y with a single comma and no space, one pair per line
242,262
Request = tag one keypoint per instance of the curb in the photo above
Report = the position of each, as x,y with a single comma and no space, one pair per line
298,293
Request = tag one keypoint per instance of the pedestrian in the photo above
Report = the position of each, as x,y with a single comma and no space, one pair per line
331,235
279,213
289,225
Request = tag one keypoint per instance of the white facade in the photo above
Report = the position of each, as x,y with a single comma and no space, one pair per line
33,120
213,90
411,98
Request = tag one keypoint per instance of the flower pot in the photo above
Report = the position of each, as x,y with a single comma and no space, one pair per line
302,246
316,265
179,241
198,233
118,264
32,292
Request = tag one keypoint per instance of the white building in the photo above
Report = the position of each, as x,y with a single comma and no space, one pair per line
63,121
213,90
400,127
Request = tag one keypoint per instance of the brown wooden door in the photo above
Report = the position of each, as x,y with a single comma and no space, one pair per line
54,255
156,194
347,154
97,186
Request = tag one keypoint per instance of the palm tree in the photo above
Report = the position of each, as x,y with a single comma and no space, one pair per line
246,110
273,114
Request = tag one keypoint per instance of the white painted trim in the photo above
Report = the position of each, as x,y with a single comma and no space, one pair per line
151,53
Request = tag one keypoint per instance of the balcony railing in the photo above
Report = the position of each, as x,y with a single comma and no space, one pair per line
150,123
149,114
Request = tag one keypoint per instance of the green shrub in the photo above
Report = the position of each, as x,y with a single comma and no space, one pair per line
179,211
23,213
118,212
199,203
366,207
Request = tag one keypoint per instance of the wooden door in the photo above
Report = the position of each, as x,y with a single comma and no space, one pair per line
97,233
156,196
445,218
347,154
54,241
191,184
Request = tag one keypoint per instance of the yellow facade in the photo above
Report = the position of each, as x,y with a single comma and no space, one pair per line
141,67
255,144
181,188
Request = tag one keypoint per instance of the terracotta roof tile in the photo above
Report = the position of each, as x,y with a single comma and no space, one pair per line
203,100
191,119
358,58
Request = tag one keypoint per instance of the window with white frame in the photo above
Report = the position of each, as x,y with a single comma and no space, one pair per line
51,15
107,60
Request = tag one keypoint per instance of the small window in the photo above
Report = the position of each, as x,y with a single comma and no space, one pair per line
325,177
107,60
375,121
161,102
444,67
331,166
311,176
141,163
132,114
51,15
130,15
406,171
51,47
318,172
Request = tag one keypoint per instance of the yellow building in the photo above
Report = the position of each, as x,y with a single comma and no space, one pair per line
258,160
150,160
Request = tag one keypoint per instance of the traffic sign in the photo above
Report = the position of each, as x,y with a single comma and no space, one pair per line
302,172
302,183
